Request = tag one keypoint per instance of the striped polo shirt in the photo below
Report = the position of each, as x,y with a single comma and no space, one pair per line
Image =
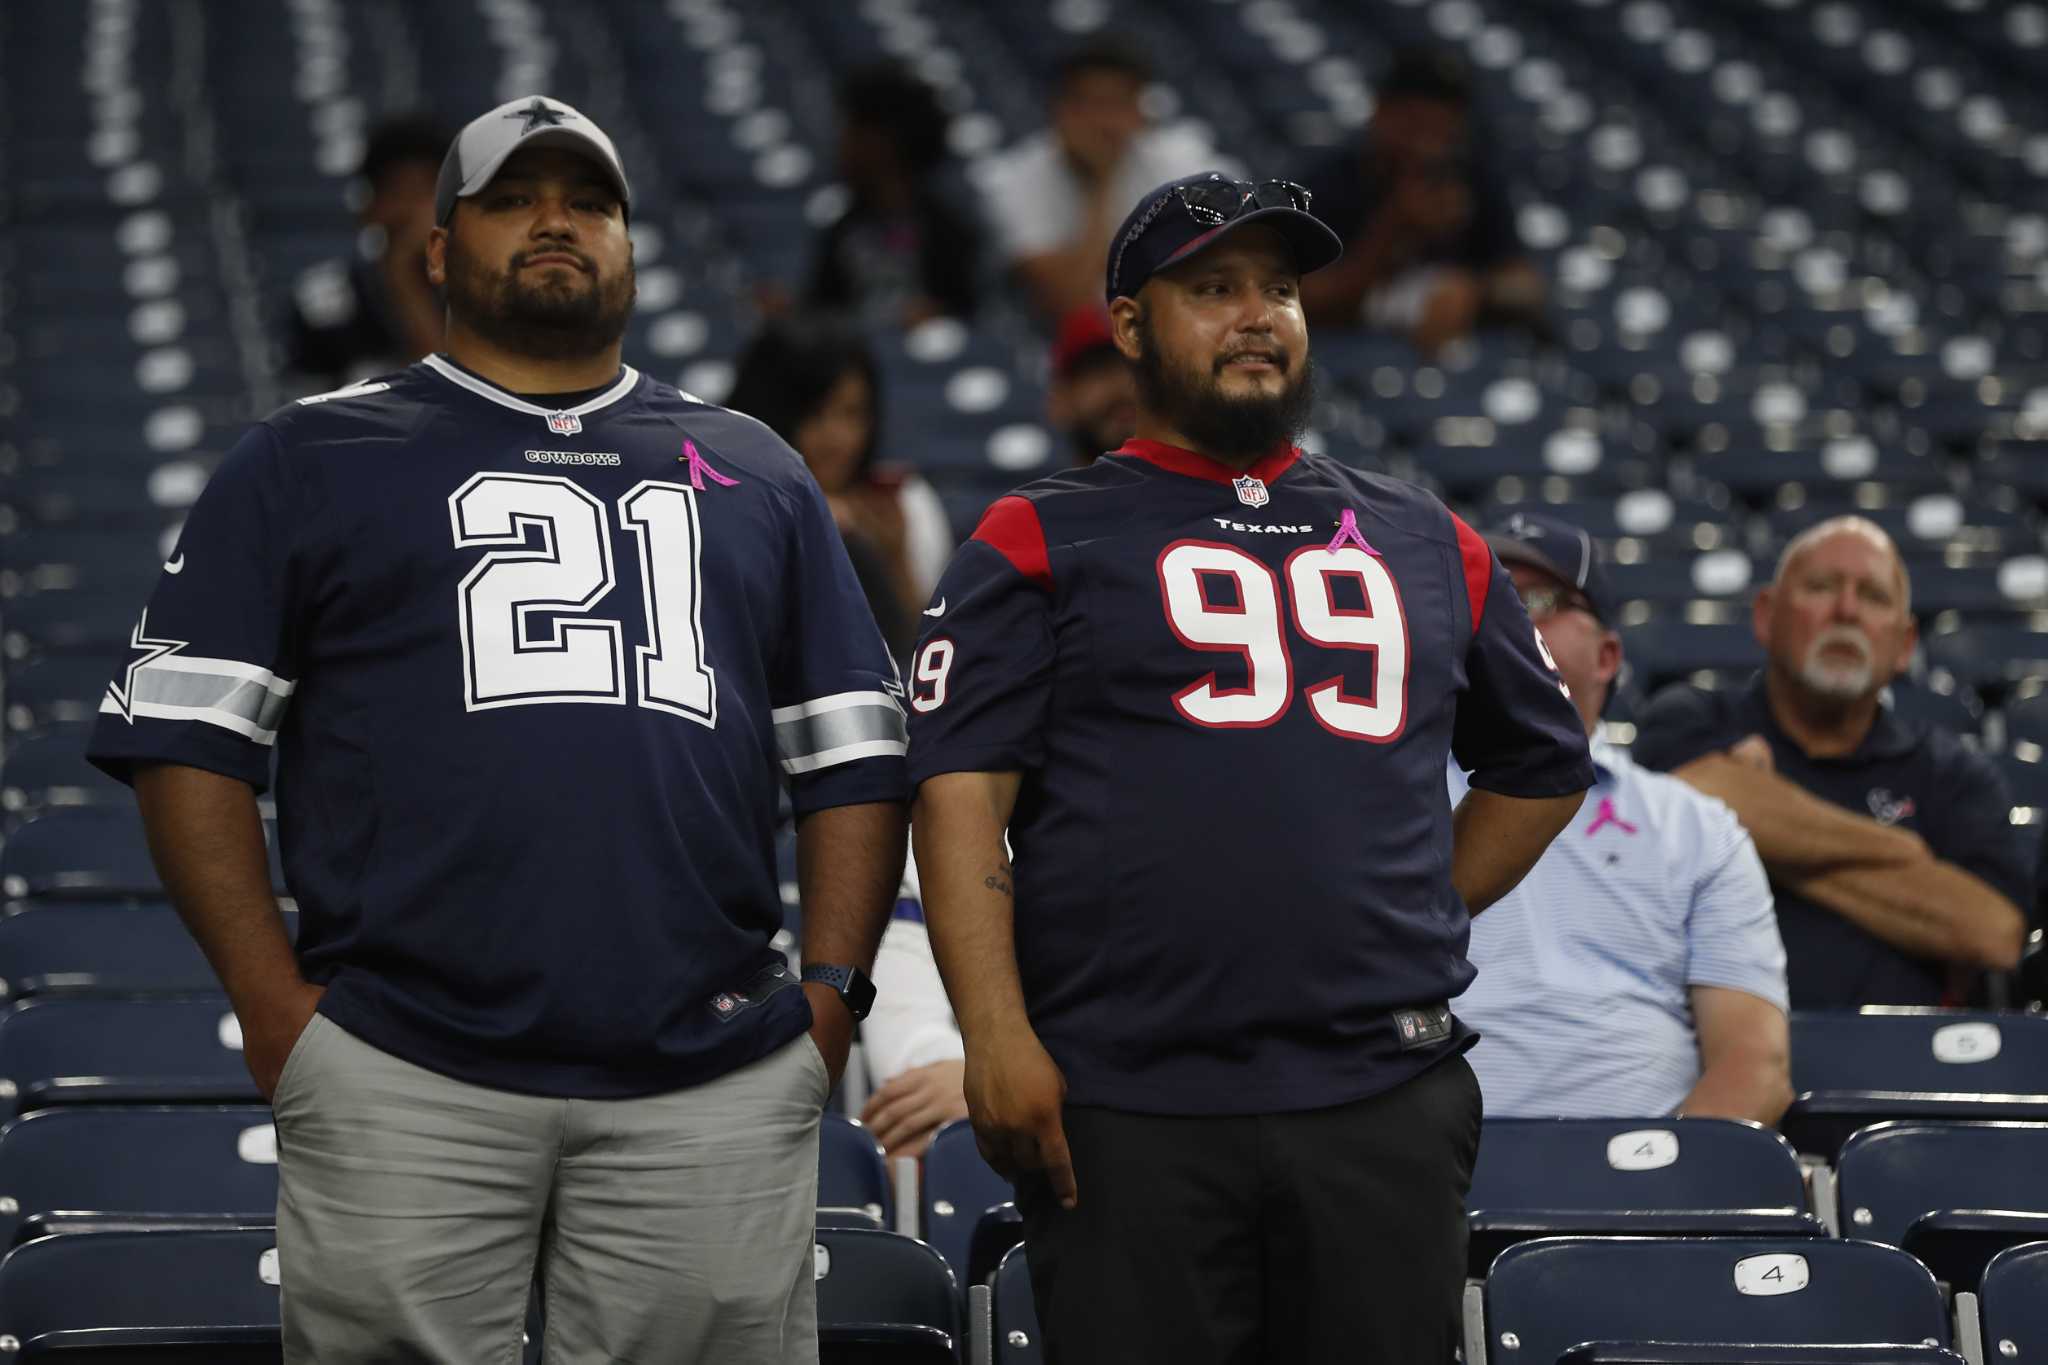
1582,998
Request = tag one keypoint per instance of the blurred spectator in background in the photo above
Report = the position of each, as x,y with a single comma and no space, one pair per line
910,1038
901,253
1637,969
1898,875
1430,242
815,383
351,319
1053,200
1093,397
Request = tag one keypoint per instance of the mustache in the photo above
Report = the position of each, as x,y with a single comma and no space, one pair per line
1276,356
583,262
1841,635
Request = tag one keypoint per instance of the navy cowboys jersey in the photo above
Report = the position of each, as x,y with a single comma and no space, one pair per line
1231,698
533,679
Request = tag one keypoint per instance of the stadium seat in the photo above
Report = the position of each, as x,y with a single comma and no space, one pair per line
1545,1177
1952,1194
852,1171
88,1165
166,1296
49,769
883,1297
1896,1062
1544,1298
1005,1320
97,948
85,1050
959,1188
2013,1301
91,853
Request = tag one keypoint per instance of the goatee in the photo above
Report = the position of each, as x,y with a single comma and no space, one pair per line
553,319
1234,428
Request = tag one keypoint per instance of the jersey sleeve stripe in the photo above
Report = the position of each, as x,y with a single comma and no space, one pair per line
235,696
855,725
1011,528
846,753
1478,561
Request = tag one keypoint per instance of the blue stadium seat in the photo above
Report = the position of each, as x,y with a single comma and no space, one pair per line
95,948
86,1050
91,853
49,769
161,1295
1898,1062
1545,1297
2013,1301
852,1171
959,1187
91,1165
1545,1177
1952,1194
1009,1329
1990,656
2026,719
883,1296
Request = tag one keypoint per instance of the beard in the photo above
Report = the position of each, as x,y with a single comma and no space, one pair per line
1220,424
1838,681
552,319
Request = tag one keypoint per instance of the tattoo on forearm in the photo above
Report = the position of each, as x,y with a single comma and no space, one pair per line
999,880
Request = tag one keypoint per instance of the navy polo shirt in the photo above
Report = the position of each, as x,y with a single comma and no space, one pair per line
1912,776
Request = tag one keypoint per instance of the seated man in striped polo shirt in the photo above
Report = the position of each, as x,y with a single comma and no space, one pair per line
1637,969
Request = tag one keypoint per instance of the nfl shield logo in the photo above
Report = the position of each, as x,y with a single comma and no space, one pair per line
1250,491
564,423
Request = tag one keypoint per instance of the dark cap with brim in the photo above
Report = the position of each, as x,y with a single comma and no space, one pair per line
1160,232
1557,548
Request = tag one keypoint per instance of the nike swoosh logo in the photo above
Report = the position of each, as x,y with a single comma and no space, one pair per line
175,565
939,610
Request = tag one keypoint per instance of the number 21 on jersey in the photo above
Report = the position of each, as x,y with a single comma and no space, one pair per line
528,635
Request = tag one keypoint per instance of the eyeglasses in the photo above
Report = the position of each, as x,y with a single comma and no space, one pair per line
1212,203
1544,603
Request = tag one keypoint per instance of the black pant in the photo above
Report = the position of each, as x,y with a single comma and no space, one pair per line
1309,1238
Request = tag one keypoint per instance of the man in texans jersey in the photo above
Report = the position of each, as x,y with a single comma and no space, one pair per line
1208,685
535,639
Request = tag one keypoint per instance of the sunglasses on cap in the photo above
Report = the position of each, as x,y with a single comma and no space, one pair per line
1214,202
1544,603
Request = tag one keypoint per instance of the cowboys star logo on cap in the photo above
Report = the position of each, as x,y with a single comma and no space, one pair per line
484,145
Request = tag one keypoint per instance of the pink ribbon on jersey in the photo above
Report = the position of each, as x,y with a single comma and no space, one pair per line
1606,816
1347,529
699,468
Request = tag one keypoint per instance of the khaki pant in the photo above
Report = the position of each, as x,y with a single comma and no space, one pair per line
414,1212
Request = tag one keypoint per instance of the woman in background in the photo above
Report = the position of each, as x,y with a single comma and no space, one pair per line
815,383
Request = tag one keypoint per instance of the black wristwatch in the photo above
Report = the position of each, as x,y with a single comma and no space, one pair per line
851,982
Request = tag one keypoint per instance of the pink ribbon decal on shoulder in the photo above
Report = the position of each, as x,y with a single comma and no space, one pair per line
1347,529
700,469
1606,816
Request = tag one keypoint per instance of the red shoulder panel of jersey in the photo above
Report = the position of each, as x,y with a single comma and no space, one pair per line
1011,528
1478,561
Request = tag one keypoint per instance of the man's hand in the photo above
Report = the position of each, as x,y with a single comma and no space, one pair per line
268,1035
831,1028
1754,752
1014,1094
913,1105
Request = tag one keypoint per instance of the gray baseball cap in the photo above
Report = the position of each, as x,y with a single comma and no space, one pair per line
529,121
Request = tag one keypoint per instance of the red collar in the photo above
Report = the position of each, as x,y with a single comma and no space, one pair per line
1196,465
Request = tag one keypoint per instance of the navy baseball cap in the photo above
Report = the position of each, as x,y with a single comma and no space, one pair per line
488,140
1179,218
1558,548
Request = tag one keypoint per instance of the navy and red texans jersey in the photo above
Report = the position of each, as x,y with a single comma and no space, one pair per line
535,680
1232,700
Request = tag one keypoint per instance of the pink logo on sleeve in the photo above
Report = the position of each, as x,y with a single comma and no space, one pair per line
1347,529
1606,816
700,469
